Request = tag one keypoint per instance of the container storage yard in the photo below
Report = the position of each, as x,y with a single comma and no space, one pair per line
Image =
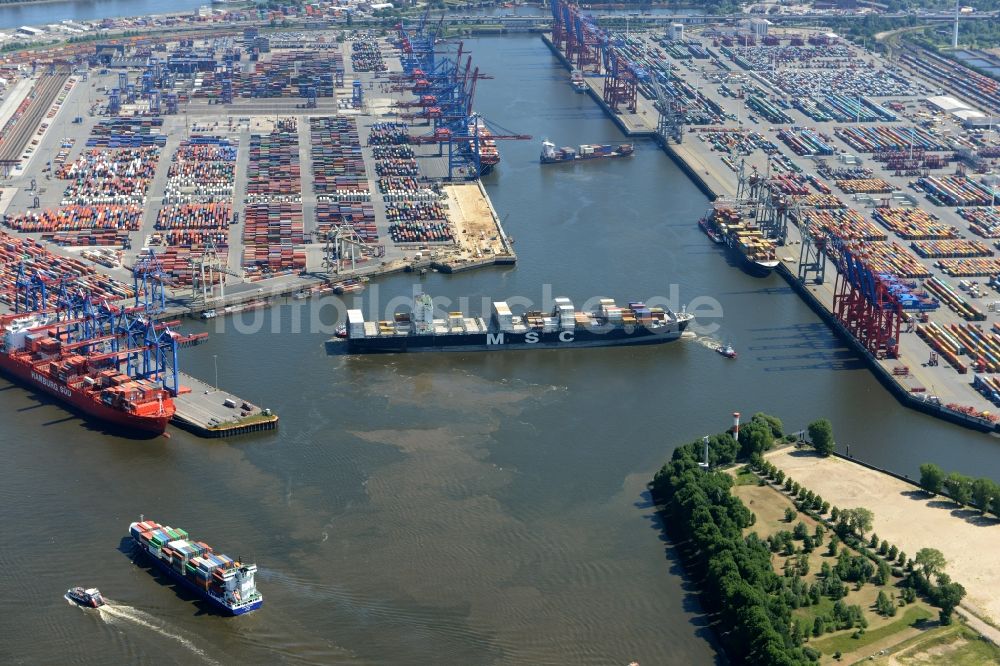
773,123
214,174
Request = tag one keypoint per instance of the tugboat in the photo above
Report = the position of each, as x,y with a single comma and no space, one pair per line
89,597
726,350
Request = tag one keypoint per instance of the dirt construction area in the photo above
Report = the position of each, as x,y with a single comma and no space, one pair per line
910,519
470,215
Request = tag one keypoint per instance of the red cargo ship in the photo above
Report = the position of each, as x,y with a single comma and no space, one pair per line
89,383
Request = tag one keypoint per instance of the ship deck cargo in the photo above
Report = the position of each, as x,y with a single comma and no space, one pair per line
33,353
563,327
552,155
228,585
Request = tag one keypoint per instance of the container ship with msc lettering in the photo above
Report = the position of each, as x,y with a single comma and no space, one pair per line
563,327
32,352
218,579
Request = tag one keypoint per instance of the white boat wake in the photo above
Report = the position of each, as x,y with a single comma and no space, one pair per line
117,613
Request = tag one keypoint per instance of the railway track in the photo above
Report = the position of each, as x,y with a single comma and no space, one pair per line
43,94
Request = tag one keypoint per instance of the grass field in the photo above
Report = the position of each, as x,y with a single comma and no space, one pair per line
768,505
843,641
956,645
745,477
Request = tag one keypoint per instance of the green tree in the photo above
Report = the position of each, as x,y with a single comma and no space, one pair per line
826,507
893,552
834,514
931,561
801,531
995,507
819,626
946,597
790,514
884,605
873,542
883,548
859,520
983,492
755,437
931,478
772,422
779,478
883,573
958,487
821,436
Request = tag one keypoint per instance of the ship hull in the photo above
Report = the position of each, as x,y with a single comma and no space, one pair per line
749,266
81,402
582,158
217,604
507,341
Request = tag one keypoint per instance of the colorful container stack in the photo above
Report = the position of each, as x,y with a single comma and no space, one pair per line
849,81
359,216
983,221
183,263
951,249
77,218
109,176
979,267
97,237
412,209
768,110
955,191
893,259
914,224
271,234
954,300
989,387
203,170
982,346
366,56
941,341
887,137
823,201
339,172
137,132
843,108
844,223
286,75
865,186
805,142
737,142
75,273
273,170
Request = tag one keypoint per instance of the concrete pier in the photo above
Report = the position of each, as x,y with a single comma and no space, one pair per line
208,411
